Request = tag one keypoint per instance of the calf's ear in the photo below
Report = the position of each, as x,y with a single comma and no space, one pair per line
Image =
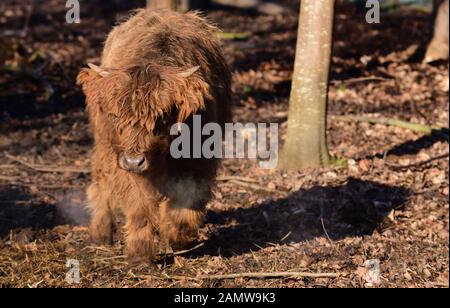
95,85
193,92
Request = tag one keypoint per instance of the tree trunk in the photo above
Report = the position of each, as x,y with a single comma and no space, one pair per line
162,4
438,48
306,144
186,5
6,51
180,5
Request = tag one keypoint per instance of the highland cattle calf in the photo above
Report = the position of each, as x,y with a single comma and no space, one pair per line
158,68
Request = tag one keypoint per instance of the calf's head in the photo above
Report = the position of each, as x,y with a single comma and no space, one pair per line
135,108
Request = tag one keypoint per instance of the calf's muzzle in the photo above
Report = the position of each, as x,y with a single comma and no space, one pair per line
136,163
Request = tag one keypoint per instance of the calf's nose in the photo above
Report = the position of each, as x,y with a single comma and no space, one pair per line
134,163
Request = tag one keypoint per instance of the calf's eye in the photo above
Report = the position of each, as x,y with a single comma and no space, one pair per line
161,126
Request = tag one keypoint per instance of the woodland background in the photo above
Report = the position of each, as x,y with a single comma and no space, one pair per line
385,198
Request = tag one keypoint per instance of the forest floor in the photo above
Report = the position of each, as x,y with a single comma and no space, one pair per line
388,203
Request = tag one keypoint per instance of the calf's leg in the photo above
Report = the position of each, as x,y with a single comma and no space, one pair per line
102,219
140,225
179,226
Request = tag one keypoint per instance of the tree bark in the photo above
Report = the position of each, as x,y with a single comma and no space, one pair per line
180,5
162,4
306,143
438,48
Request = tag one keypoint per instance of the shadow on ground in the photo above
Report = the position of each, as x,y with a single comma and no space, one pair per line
17,211
427,141
21,210
355,209
412,147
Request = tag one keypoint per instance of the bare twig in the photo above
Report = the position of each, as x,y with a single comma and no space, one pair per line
29,11
109,259
386,121
248,183
7,166
440,284
418,164
238,178
286,236
252,186
360,79
233,36
42,168
16,202
13,181
8,178
290,275
182,252
177,253
325,230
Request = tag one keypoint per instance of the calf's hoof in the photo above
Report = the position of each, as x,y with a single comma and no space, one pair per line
102,235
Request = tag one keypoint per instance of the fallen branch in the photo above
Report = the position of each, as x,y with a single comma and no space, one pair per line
177,253
248,183
109,259
440,284
325,231
233,36
48,169
181,252
251,186
290,275
418,164
386,121
361,79
29,11
8,178
13,181
237,178
8,166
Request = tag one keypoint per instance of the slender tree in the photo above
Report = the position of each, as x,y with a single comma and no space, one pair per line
3,51
306,144
162,4
438,47
180,5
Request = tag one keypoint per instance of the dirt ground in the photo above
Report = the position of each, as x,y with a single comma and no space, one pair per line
389,202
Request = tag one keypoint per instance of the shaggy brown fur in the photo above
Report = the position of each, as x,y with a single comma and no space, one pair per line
133,100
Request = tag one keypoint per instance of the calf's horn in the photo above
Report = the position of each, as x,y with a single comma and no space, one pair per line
189,72
99,70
